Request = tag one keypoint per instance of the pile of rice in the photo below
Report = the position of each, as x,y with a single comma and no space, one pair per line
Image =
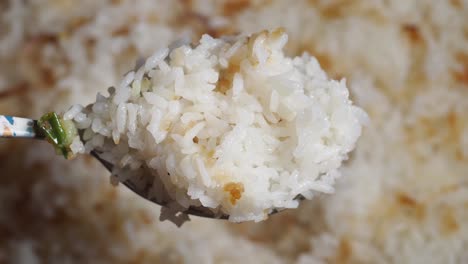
403,196
232,125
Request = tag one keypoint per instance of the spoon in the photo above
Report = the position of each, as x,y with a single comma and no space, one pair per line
17,127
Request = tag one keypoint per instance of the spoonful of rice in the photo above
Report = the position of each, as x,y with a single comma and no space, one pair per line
230,128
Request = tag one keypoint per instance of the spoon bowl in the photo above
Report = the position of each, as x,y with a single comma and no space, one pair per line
17,127
144,192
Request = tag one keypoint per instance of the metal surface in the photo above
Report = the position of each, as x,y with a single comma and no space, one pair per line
144,193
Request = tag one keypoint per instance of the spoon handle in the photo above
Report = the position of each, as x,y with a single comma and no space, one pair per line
11,126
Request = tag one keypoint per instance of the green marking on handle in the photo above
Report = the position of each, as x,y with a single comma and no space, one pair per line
52,127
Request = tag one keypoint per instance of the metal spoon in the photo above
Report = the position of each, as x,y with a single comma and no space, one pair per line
17,127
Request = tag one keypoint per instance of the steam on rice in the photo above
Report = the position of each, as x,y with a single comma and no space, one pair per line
231,124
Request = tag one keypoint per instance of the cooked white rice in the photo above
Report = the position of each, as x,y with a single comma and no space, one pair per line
231,125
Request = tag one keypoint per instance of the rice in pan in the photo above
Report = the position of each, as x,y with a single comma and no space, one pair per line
403,195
